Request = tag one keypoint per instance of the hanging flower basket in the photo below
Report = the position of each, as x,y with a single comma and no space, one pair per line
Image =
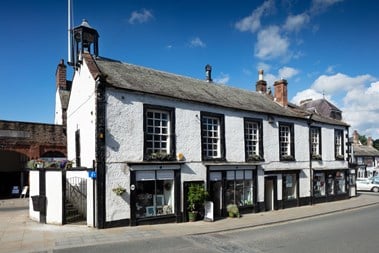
119,190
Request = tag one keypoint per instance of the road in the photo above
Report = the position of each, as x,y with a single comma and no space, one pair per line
349,231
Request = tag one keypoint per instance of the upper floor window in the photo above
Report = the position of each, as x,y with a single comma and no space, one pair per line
159,133
253,140
212,136
316,143
338,144
286,142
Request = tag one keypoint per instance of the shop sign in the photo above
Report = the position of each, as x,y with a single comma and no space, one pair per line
208,206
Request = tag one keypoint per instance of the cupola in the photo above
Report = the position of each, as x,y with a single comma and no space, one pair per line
85,39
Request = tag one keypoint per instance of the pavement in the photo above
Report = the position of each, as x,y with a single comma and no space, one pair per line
20,234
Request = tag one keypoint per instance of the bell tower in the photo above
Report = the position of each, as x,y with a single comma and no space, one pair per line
86,39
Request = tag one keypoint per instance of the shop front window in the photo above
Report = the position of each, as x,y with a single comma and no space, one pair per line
290,186
330,184
155,193
340,182
319,185
239,188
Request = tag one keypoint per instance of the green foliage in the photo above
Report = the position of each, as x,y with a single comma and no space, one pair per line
362,139
197,195
376,144
233,210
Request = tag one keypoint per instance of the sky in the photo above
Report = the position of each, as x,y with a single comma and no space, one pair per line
324,48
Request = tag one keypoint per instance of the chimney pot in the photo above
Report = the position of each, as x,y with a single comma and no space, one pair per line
261,85
208,73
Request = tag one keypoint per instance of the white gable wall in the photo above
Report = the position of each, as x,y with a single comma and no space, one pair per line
81,114
58,109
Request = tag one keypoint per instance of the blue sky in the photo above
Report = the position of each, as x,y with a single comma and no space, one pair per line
322,47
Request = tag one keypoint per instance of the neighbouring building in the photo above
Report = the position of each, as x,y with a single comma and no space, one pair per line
366,157
21,142
149,134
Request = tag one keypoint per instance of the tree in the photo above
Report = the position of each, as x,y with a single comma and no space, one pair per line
376,144
362,139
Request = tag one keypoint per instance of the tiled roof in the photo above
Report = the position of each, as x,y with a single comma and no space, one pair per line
140,79
363,150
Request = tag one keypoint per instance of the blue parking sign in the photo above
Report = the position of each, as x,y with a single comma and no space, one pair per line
92,174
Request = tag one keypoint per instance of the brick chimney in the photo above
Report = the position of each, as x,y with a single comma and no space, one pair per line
60,76
280,92
355,137
369,142
261,85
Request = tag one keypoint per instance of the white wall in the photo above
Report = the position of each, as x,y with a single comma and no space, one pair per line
58,109
81,114
33,191
54,197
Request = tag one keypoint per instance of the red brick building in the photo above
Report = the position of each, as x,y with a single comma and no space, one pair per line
21,142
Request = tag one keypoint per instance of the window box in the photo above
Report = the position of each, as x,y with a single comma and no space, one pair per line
287,158
160,157
340,157
254,158
316,157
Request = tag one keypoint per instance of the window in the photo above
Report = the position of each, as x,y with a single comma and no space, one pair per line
253,140
286,142
340,182
77,148
319,185
159,133
289,186
212,136
239,188
316,143
338,144
155,193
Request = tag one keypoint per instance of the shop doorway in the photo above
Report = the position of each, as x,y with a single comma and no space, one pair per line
270,193
216,196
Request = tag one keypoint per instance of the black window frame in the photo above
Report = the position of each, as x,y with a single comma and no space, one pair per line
171,156
260,141
77,148
290,157
221,118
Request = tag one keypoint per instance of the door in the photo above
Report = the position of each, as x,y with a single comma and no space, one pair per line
270,193
216,196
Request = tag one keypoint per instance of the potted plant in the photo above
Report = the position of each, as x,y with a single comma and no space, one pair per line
233,210
197,195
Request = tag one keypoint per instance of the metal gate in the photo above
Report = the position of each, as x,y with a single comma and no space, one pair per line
76,200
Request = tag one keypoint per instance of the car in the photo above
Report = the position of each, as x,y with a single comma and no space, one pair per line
368,184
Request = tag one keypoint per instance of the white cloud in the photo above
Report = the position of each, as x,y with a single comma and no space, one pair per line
319,6
359,104
140,17
339,82
306,94
223,78
262,65
253,22
297,22
271,44
197,42
330,70
287,72
361,110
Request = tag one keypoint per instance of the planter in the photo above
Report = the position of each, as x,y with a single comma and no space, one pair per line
192,216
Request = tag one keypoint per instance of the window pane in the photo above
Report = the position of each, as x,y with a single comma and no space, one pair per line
290,186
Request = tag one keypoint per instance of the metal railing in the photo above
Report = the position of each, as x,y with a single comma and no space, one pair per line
76,194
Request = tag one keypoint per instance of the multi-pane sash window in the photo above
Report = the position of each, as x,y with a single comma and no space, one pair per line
159,127
285,140
286,143
157,132
253,140
211,137
338,144
315,143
